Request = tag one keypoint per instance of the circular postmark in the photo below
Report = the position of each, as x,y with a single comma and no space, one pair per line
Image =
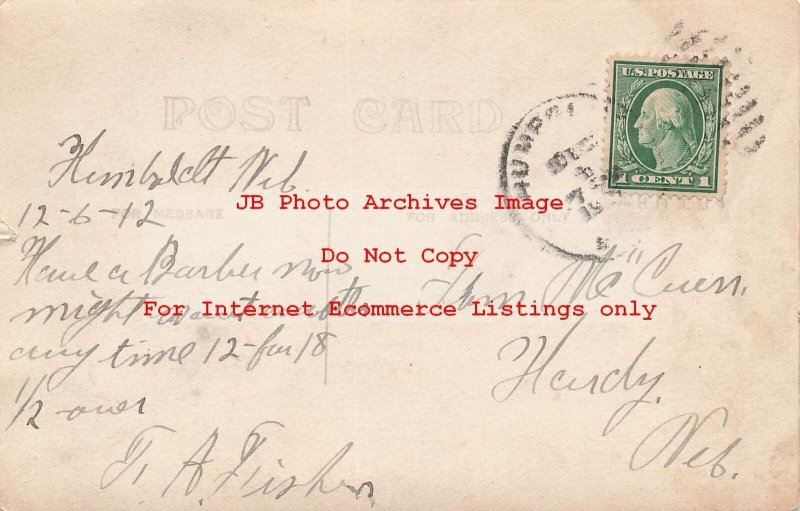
554,151
561,148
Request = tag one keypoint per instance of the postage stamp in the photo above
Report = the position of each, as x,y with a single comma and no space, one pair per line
665,123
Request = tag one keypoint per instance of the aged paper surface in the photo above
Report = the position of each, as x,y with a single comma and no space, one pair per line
620,349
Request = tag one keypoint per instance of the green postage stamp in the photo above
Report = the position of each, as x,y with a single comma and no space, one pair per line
665,127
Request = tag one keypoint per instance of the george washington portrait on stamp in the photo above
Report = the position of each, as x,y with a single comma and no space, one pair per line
665,127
